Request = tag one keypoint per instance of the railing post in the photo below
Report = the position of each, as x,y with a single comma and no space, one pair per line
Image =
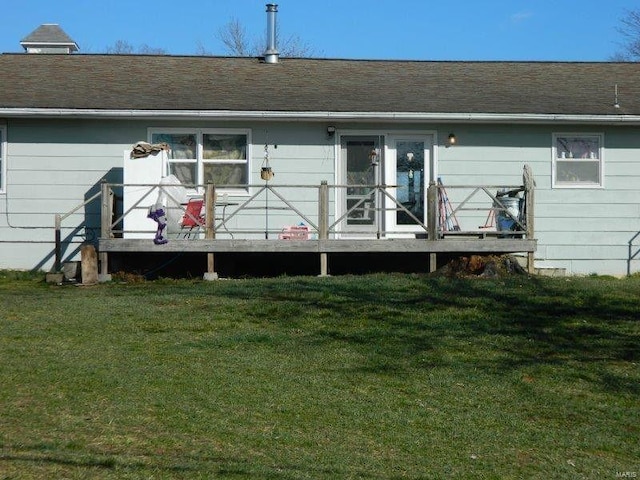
432,224
106,215
210,228
323,224
210,211
529,199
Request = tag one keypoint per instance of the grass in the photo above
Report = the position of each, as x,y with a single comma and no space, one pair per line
368,377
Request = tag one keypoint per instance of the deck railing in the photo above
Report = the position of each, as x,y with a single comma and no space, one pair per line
454,210
269,207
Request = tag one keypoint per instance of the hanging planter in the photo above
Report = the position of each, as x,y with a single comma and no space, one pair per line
266,173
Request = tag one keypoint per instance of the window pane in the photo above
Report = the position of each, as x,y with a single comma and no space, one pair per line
578,147
224,147
578,172
186,172
225,174
359,168
410,190
361,201
183,145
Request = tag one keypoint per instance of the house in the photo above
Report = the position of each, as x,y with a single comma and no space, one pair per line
67,122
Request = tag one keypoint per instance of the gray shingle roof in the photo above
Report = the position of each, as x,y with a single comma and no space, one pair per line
137,82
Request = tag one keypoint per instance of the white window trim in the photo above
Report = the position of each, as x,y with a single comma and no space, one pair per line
199,132
3,158
554,157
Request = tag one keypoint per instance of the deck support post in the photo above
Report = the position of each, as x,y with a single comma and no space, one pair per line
210,228
106,214
57,266
432,225
323,225
55,275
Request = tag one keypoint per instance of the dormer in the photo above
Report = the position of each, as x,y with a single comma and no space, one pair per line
49,38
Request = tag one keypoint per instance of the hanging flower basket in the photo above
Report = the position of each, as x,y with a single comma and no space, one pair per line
266,173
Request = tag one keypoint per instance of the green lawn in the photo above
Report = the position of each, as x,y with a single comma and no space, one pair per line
354,377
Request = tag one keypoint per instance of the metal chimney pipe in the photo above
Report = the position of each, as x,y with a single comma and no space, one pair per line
271,54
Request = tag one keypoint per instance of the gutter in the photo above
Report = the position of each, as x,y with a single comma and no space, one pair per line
529,118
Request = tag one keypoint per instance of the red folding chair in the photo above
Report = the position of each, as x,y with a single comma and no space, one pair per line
193,219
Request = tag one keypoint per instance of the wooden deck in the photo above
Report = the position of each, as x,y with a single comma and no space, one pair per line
435,240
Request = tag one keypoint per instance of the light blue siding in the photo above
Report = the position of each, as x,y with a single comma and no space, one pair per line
582,230
52,166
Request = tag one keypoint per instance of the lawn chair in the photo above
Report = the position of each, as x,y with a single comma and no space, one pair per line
193,219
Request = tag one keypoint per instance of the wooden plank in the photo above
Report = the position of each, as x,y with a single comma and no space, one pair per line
401,245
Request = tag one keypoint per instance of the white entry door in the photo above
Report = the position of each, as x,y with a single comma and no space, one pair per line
407,168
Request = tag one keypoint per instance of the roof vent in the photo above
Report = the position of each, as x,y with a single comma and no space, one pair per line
271,54
49,38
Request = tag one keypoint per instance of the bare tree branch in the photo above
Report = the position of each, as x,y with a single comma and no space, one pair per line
294,47
233,36
202,50
630,30
122,47
145,49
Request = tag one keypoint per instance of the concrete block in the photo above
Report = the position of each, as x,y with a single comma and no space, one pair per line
211,276
54,277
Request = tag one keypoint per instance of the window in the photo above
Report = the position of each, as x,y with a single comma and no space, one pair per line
3,155
198,157
577,160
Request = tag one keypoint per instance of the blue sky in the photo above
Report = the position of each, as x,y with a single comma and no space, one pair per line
555,30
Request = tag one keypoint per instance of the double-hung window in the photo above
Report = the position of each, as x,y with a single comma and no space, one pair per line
3,157
201,156
578,160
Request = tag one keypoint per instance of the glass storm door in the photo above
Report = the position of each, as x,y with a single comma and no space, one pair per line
408,169
360,169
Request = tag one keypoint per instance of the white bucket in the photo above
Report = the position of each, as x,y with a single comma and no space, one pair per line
507,204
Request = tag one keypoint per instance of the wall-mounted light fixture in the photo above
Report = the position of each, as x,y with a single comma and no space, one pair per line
331,131
451,139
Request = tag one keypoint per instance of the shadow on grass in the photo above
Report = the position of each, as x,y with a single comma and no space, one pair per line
498,325
43,455
178,466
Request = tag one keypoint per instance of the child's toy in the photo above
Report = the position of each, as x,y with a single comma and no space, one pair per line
157,214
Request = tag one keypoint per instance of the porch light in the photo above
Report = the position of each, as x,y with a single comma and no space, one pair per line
331,131
452,139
